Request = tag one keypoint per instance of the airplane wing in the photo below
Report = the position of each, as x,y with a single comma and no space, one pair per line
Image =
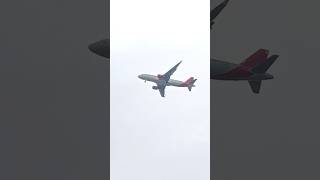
168,74
216,11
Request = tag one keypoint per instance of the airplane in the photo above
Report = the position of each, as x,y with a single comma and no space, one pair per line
253,69
162,81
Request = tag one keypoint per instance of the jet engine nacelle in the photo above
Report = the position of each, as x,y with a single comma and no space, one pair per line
155,87
160,76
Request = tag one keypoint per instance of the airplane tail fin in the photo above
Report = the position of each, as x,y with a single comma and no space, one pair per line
245,67
259,57
263,67
190,83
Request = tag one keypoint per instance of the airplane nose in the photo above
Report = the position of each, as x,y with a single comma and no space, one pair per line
101,48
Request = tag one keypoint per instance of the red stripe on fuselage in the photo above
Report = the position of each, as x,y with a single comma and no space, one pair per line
239,72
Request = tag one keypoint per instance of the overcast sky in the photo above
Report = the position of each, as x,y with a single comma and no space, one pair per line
154,137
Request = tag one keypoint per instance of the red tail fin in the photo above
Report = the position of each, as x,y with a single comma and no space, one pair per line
244,70
258,57
188,81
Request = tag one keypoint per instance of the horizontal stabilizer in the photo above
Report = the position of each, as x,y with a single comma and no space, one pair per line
255,85
262,68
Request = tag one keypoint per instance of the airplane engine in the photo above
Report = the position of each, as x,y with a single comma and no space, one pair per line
155,87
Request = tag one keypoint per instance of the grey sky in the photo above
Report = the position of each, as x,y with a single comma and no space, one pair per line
154,137
54,92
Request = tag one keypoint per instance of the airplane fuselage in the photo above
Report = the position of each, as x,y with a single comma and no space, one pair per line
102,48
157,80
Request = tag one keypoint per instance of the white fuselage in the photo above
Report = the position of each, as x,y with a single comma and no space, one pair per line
155,79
